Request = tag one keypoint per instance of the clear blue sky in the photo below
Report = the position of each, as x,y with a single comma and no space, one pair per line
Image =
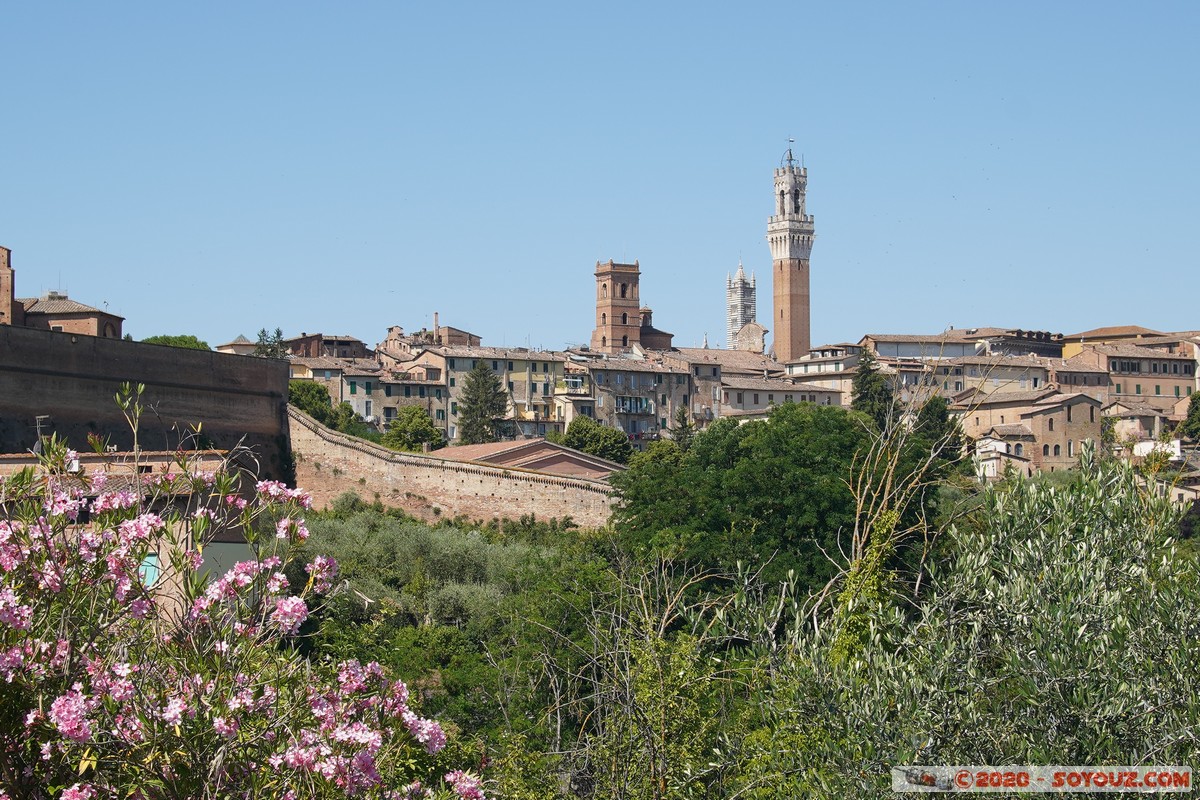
217,168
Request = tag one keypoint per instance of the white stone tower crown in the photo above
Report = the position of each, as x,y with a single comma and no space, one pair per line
740,303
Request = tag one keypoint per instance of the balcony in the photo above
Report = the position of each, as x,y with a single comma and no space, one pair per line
634,405
574,386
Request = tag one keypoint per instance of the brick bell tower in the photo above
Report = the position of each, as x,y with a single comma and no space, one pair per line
11,312
618,307
790,233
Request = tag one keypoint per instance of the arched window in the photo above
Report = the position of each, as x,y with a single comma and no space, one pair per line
1068,413
1070,448
604,341
1045,449
604,290
1057,450
1091,413
1051,423
603,318
624,319
782,202
624,289
1020,449
796,201
624,341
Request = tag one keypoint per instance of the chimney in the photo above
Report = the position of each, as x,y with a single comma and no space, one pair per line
437,330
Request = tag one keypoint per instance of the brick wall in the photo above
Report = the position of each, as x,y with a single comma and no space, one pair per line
73,379
329,464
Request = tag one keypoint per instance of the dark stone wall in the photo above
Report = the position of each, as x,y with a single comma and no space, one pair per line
74,380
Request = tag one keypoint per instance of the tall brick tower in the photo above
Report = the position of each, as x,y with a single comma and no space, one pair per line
11,312
618,309
790,233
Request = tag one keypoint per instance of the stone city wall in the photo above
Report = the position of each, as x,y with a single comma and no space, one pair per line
330,463
73,379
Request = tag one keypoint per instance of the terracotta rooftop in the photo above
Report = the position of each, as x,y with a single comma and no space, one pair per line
1004,398
1134,351
1076,363
1135,408
779,385
1114,330
619,364
533,454
506,353
998,361
728,360
55,303
1009,430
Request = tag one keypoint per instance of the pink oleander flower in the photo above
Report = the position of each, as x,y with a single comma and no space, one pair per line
172,712
140,528
322,570
61,503
291,529
140,608
68,713
11,554
277,583
225,727
113,501
466,785
80,791
278,492
289,614
426,731
13,612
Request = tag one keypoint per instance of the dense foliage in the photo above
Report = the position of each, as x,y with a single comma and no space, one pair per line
313,399
483,401
772,493
185,340
271,345
410,430
871,392
1191,424
1038,621
585,434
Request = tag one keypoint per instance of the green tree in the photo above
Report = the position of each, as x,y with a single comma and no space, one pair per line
937,431
872,393
1191,425
313,399
1059,610
684,430
411,429
185,340
773,492
585,434
271,345
483,401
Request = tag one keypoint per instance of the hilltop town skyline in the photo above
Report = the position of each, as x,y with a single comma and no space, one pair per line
215,171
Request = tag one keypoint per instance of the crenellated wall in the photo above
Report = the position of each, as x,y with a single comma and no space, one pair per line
330,463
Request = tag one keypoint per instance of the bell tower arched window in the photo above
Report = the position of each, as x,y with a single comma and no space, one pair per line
624,319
